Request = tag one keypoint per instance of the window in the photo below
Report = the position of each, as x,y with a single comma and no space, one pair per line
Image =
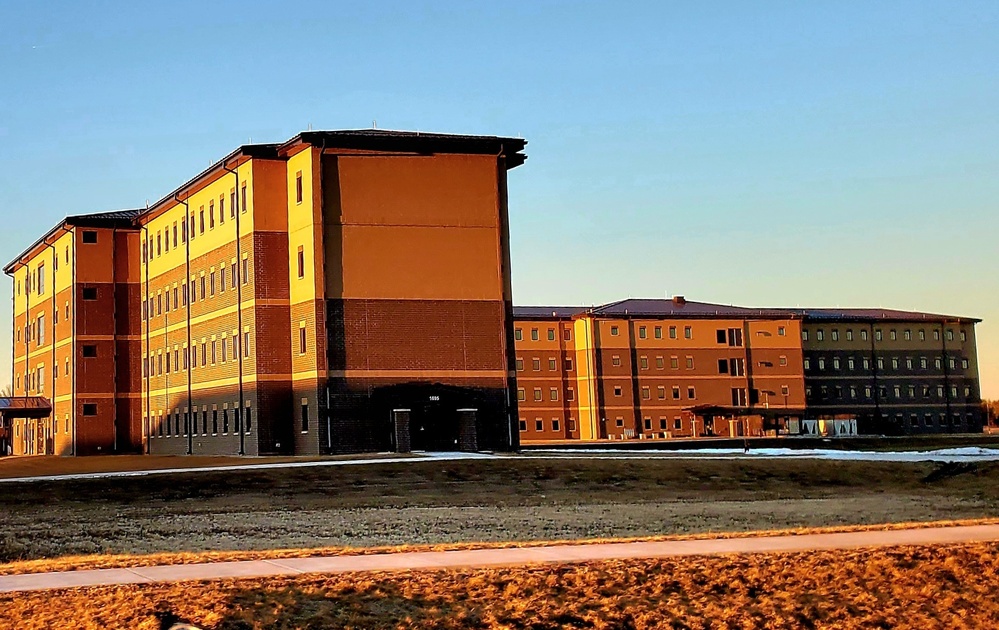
523,424
615,360
660,364
89,350
552,364
301,340
536,364
518,334
738,397
41,330
521,394
90,409
619,421
648,424
204,353
215,421
658,332
89,236
690,363
877,334
539,425
211,283
301,261
644,363
232,276
737,367
537,393
964,364
617,390
551,334
674,363
243,199
672,332
820,335
720,335
688,332
677,423
305,415
89,293
567,334
641,332
676,392
780,331
783,360
567,365
204,283
893,335
690,393
785,390
232,203
964,336
723,366
553,394
614,331
804,335
201,220
662,392
298,187
520,365
246,270
570,394
834,335
646,394
555,424
41,278
863,334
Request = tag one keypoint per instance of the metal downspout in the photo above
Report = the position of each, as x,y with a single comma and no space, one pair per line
241,414
148,424
55,377
187,353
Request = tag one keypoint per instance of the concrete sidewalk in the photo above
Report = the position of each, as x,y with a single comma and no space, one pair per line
497,557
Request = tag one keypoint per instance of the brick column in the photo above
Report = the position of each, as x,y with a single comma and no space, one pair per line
400,424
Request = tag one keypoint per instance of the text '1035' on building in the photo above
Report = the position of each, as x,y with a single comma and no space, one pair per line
671,368
343,291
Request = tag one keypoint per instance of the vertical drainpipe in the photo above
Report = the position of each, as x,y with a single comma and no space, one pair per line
52,340
13,319
148,428
27,325
72,348
946,370
874,375
187,353
241,414
114,341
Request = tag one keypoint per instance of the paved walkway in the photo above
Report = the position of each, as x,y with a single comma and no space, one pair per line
496,557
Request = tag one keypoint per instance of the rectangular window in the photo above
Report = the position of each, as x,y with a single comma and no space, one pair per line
672,332
690,363
41,278
89,236
641,332
204,353
690,393
570,394
688,332
553,394
243,199
646,394
658,332
221,209
534,334
305,417
89,409
232,277
232,203
301,340
537,393
552,364
536,364
518,334
211,214
246,344
89,350
246,270
221,278
521,394
676,392
551,334
723,366
301,261
662,392
567,365
298,187
201,220
211,283
567,334
214,350
89,293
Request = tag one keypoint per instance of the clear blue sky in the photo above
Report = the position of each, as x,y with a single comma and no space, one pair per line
785,153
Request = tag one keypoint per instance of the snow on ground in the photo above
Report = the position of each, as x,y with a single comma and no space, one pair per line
963,454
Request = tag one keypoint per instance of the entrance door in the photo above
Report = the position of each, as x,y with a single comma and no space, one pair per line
433,426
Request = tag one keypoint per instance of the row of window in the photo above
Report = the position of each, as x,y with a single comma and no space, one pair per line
926,391
159,243
733,367
729,336
172,298
35,280
928,419
556,424
35,330
210,352
170,424
895,362
893,334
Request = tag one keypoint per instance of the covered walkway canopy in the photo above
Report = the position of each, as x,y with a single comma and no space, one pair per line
25,407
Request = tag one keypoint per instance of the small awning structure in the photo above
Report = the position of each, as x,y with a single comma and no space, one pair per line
727,411
25,407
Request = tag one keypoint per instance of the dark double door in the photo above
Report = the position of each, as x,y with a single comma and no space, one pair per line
433,425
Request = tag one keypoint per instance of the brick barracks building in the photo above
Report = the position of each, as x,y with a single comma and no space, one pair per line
339,292
662,369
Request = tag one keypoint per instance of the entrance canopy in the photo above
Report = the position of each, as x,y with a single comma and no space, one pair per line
25,407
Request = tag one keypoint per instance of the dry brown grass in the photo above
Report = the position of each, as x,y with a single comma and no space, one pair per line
482,501
905,587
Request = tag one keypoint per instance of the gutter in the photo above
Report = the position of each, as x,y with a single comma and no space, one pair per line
190,416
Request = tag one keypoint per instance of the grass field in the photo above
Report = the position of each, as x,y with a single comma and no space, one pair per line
432,502
915,587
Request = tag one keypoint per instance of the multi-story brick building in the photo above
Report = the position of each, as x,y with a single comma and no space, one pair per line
895,371
657,369
341,291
